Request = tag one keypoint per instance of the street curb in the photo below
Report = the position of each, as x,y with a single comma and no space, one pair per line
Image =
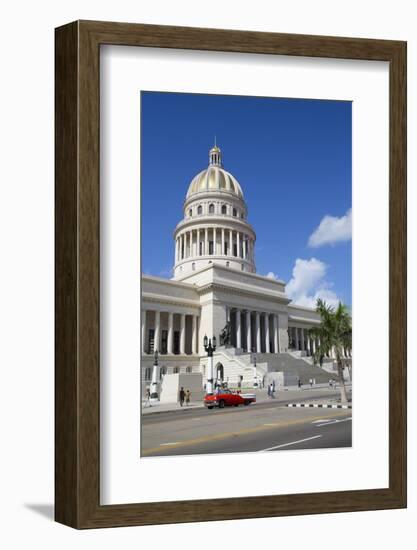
185,409
319,405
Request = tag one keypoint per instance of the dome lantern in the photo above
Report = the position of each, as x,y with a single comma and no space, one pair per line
215,156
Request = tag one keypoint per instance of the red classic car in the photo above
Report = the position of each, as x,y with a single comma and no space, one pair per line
225,398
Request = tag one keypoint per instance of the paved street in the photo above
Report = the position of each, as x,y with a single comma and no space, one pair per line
264,426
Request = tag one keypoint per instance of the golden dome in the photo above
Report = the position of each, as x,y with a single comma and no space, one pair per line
214,178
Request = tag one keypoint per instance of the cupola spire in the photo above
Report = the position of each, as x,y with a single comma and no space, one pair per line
215,155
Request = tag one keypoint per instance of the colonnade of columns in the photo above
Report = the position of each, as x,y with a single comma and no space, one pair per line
300,340
255,331
213,241
159,342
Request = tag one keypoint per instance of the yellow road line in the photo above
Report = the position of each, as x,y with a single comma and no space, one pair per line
219,437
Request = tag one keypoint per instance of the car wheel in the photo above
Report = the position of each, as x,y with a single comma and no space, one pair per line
236,404
247,403
221,404
210,407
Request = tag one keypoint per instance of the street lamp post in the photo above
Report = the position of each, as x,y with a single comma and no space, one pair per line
154,384
255,376
209,348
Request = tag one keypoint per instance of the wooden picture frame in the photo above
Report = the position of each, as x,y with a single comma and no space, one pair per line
77,373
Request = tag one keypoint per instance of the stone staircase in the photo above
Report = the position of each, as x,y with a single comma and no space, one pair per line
294,368
285,368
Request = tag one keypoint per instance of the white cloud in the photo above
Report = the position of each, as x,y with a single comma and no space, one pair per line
308,283
332,230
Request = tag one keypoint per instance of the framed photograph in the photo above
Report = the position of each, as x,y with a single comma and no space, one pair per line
230,274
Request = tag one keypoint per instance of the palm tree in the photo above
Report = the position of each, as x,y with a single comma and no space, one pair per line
334,334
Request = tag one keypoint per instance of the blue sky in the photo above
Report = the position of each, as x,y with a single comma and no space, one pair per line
292,158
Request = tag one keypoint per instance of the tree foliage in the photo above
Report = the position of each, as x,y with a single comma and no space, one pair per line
333,336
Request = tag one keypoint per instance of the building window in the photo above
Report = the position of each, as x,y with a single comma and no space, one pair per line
224,209
164,342
234,212
176,370
189,369
211,209
193,266
190,212
148,372
200,210
176,342
242,215
201,248
151,337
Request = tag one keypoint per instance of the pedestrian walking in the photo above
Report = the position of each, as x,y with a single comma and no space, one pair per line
269,390
311,382
330,383
187,397
182,396
299,383
273,388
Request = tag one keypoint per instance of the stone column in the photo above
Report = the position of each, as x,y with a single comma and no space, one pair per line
176,249
248,332
276,338
230,242
198,242
143,331
195,336
206,242
238,243
238,330
303,347
267,344
214,241
258,332
182,334
297,341
193,251
170,333
222,242
157,333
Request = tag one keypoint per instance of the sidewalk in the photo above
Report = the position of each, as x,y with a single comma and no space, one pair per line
292,392
169,407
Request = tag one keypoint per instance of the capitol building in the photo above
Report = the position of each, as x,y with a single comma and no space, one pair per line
215,284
